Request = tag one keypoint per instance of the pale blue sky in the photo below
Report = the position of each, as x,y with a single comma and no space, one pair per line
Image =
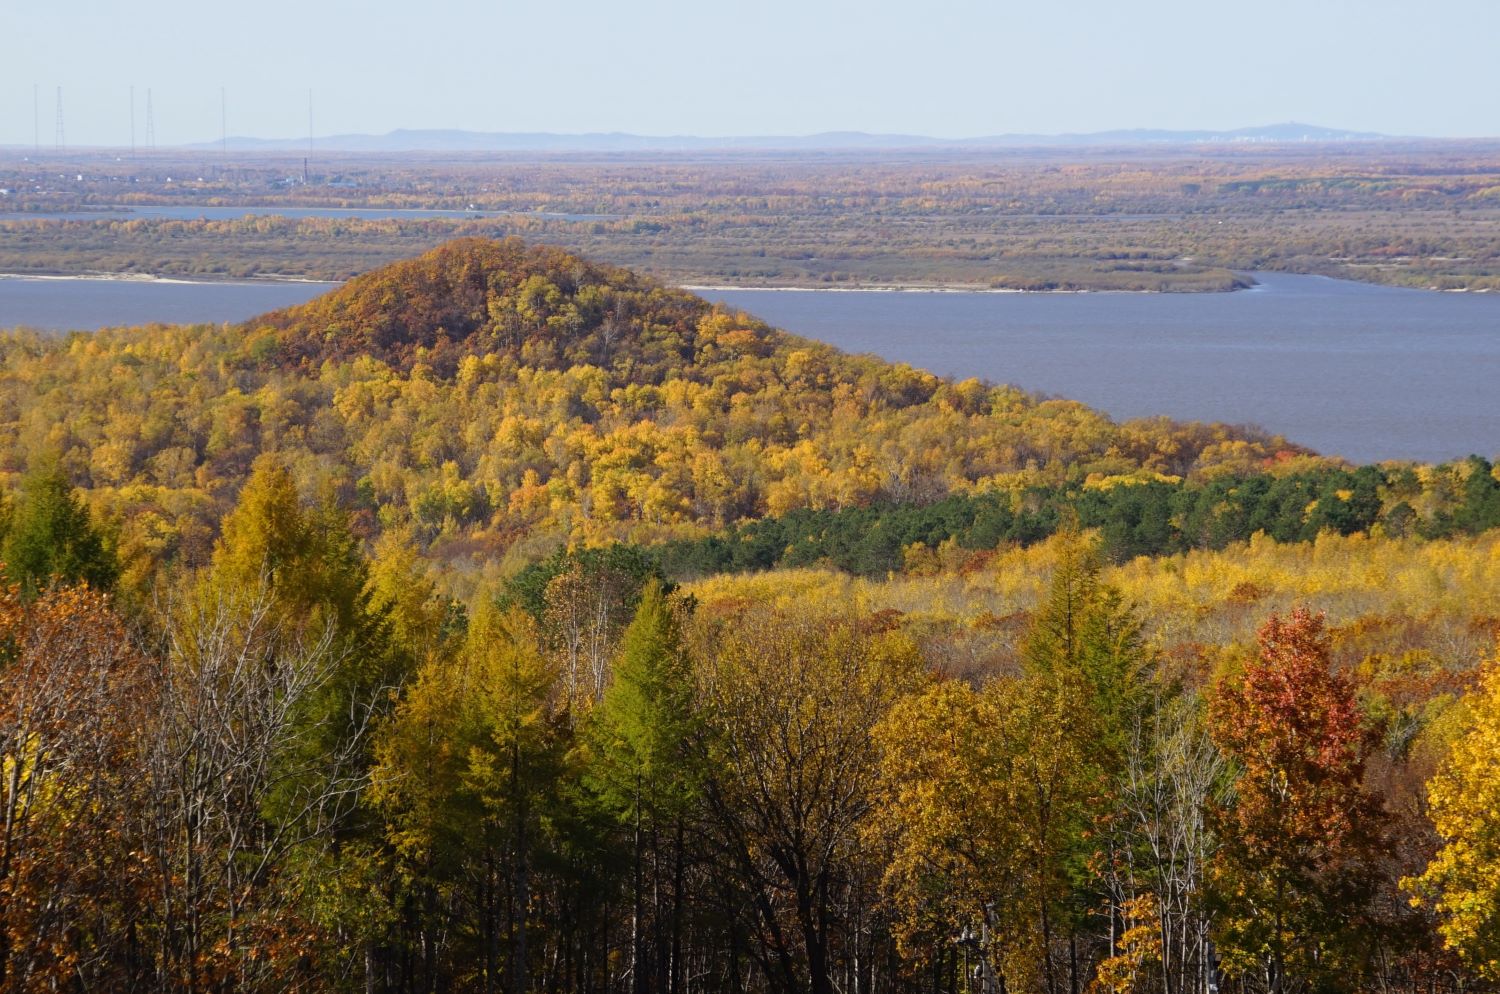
941,67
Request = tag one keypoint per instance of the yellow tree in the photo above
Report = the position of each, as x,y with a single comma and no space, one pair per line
1463,880
463,772
981,793
789,702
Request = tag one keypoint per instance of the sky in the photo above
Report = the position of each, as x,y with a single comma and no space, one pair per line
946,68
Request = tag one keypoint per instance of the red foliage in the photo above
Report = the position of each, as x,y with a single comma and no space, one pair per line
1296,729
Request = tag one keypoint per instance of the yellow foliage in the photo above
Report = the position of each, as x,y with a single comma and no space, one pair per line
1462,883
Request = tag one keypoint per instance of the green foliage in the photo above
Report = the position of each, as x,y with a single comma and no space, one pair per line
1084,634
644,730
50,536
1133,518
627,567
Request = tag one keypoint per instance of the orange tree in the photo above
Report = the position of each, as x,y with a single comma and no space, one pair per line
1291,873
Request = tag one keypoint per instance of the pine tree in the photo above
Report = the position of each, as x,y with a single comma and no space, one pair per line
51,538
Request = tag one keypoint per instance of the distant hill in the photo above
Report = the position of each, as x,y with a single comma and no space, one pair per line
405,140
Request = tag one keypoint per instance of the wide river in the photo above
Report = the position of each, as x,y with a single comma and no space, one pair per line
1365,372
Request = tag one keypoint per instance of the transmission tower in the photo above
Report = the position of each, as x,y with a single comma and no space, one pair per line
36,118
309,138
59,138
223,122
132,122
150,122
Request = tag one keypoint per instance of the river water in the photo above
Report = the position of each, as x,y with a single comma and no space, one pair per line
1365,372
87,304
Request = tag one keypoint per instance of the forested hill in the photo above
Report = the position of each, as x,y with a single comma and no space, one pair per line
493,397
474,296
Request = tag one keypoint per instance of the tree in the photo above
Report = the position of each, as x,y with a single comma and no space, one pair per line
243,790
51,538
981,801
1173,773
789,703
314,579
641,762
1462,882
582,601
1084,629
1291,872
466,769
1085,642
77,703
299,573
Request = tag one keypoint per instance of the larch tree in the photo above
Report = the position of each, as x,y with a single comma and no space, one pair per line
642,740
981,798
466,770
1085,642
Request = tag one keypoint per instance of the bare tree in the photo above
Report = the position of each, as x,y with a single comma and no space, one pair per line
239,790
1173,770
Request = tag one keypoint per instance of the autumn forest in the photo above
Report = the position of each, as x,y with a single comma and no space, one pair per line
509,622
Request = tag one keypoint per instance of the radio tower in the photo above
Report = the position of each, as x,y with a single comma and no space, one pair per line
59,119
132,121
223,122
150,122
36,118
309,137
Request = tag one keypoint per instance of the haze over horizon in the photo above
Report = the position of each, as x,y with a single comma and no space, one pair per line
953,69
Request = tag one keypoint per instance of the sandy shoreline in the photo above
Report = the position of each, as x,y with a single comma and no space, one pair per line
899,288
148,278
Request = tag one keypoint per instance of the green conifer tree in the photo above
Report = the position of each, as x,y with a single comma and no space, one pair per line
641,739
51,537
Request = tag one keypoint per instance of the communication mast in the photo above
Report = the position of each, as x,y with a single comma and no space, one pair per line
36,118
59,139
223,122
309,137
150,122
132,121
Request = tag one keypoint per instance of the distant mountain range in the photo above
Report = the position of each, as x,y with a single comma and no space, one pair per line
479,141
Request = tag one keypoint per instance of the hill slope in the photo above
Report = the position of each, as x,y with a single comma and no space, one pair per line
493,396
